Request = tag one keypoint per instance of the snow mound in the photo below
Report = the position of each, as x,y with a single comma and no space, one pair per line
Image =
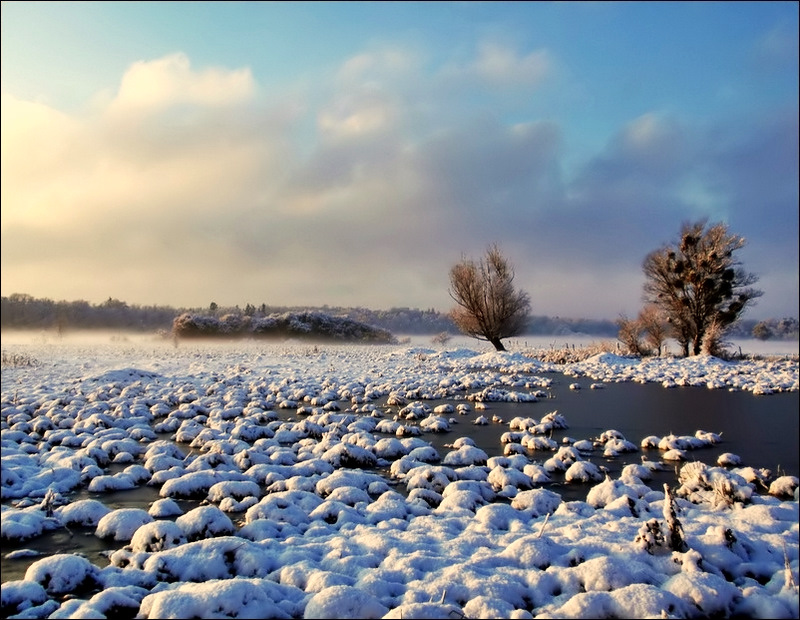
230,598
122,375
344,602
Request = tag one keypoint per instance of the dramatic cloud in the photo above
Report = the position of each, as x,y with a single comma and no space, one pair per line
193,184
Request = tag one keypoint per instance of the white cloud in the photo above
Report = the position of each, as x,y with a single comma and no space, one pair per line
170,80
498,64
131,157
352,115
42,151
644,133
381,65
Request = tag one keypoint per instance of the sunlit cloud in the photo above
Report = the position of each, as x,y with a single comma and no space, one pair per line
365,112
170,81
189,185
123,162
41,151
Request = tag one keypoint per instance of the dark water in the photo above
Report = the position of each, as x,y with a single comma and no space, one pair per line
761,430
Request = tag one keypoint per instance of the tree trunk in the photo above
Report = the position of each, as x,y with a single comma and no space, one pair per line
697,344
497,344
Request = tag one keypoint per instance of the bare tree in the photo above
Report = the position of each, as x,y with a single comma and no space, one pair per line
644,335
655,328
489,307
698,283
630,335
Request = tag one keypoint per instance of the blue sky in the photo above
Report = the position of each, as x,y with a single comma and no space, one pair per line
350,153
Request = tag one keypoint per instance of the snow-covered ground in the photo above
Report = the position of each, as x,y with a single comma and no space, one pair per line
344,510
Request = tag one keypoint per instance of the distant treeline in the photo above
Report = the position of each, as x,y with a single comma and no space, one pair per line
21,311
303,325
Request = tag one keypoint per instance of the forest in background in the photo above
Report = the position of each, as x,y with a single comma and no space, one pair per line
22,311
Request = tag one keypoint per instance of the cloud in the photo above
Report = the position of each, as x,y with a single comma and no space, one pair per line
382,65
364,190
131,158
170,81
365,112
757,168
136,204
491,179
500,65
37,139
635,191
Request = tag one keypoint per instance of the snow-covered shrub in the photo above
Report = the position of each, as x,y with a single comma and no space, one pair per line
17,596
784,487
122,523
650,536
157,536
343,601
64,573
205,522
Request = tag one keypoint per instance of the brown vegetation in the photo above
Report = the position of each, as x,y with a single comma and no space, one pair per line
569,355
488,306
698,285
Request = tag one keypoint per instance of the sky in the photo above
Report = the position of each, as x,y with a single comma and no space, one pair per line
350,153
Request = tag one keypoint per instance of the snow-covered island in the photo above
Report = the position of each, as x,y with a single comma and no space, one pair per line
297,481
